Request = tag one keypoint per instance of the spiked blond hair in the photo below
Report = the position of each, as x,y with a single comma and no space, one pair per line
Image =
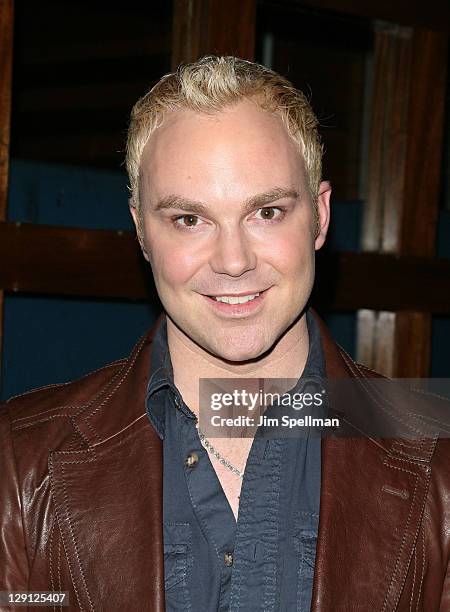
212,84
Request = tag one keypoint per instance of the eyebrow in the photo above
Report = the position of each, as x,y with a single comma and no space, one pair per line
256,201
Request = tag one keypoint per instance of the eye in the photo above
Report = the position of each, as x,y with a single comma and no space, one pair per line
186,221
269,213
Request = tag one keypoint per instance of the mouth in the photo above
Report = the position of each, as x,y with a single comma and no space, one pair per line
237,304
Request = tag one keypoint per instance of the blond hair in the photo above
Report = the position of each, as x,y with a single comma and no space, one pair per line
212,84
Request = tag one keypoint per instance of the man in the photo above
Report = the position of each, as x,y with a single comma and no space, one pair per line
110,489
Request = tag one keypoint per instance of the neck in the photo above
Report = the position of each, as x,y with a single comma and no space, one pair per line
286,359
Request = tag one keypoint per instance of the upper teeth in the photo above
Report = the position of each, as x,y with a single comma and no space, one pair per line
228,299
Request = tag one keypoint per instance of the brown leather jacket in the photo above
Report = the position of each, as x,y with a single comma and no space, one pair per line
81,504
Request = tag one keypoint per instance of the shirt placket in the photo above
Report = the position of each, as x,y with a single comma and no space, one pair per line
255,574
209,504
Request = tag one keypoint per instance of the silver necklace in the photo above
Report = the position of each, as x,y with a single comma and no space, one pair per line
210,448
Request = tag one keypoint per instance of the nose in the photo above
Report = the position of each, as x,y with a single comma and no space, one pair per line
233,253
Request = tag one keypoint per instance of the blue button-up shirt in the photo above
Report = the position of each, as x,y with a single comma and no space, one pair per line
265,560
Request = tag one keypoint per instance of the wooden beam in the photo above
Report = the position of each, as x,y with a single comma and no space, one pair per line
202,27
6,53
65,50
351,280
433,15
115,95
103,263
389,139
403,195
425,142
71,261
6,49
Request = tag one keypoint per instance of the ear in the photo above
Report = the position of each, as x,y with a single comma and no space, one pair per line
323,213
138,225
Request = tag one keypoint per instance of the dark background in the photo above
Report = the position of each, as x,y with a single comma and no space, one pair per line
78,69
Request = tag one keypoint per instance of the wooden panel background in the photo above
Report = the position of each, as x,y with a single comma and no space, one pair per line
404,182
395,285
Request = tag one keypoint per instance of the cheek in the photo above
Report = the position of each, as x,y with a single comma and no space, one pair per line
291,252
173,267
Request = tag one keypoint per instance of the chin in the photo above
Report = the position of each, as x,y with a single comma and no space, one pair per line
237,356
239,351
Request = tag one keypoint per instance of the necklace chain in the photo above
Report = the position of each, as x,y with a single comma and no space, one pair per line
210,448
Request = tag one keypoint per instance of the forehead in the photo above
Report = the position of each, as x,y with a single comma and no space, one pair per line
242,144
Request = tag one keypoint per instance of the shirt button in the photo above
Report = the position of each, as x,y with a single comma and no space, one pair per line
191,460
228,559
177,402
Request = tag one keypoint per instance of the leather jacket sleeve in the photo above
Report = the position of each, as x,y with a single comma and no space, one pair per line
13,556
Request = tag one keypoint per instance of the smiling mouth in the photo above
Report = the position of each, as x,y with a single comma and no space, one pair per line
235,299
237,304
242,295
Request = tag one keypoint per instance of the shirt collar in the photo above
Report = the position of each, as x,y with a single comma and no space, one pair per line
315,362
161,373
161,380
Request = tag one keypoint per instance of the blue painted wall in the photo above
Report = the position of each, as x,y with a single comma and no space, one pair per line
440,336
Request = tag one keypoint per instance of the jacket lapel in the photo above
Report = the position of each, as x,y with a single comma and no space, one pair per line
372,498
371,508
108,497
